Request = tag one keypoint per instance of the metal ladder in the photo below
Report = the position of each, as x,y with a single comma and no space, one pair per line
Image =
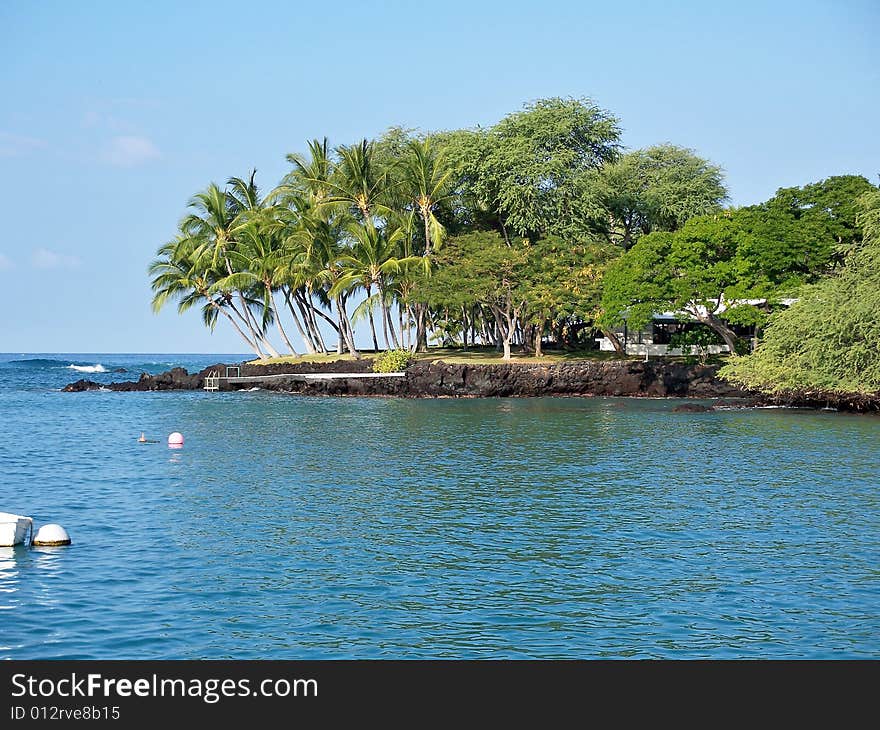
212,381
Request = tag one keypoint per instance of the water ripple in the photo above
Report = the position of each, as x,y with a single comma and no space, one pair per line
316,528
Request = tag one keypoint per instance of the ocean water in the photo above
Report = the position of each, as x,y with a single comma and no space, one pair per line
290,527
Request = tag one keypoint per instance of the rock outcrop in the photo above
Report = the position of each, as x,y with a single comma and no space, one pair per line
441,379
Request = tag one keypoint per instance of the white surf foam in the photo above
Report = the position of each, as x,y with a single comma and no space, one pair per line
98,368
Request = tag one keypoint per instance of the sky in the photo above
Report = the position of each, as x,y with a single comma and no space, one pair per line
113,114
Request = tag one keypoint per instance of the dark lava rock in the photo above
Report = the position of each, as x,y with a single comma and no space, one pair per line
119,370
441,379
692,408
823,400
81,385
656,378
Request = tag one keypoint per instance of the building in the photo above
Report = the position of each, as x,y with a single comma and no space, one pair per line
656,338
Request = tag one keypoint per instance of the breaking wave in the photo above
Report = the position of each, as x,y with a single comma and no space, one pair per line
98,368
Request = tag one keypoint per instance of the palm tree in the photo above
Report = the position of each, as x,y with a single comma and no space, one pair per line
256,262
373,261
310,176
357,182
425,179
213,223
243,197
177,274
317,266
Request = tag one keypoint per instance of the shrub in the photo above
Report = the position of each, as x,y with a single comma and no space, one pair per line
694,343
392,361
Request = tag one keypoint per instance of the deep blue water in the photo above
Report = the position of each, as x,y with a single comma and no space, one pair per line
290,527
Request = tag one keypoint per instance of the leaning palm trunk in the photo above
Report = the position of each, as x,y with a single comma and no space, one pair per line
251,328
296,322
277,315
345,330
386,314
327,319
247,317
255,328
368,289
312,334
303,332
253,345
308,312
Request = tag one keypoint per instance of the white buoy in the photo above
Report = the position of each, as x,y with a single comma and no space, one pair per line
51,535
175,439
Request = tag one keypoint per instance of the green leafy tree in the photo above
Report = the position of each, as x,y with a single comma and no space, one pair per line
480,268
561,283
713,265
828,341
655,189
829,208
700,270
530,169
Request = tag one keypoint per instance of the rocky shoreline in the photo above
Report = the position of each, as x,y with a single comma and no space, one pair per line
441,379
438,379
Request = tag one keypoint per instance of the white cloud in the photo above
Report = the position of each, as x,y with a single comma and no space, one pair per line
13,145
6,263
128,151
43,258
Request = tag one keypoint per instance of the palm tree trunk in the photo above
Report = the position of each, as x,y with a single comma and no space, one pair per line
321,314
307,310
410,317
238,329
400,325
277,315
421,330
372,323
257,338
309,316
256,329
307,340
464,328
425,215
311,331
386,313
345,327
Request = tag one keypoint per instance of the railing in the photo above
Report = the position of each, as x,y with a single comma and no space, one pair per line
212,381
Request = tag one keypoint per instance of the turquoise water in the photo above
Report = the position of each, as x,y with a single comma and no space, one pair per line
290,527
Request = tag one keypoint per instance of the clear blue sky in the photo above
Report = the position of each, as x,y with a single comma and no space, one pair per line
112,114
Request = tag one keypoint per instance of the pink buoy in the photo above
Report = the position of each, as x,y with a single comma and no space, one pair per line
175,439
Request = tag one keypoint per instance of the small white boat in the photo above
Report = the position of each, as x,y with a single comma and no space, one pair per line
14,529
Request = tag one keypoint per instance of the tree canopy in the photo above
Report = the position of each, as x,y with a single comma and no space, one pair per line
829,339
530,170
735,266
540,227
655,189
